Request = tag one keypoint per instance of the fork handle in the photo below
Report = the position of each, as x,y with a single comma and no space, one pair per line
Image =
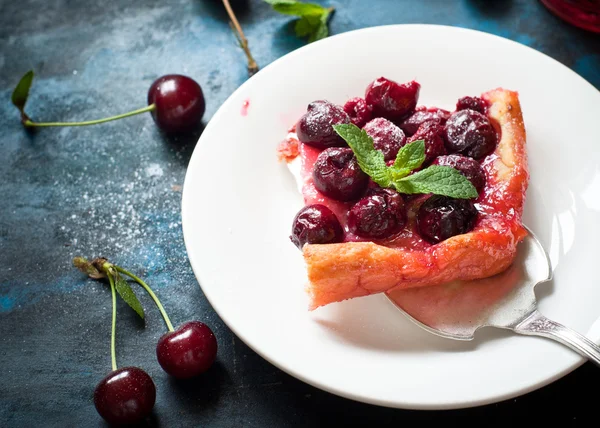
537,324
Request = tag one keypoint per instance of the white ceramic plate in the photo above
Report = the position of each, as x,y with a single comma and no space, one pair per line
239,202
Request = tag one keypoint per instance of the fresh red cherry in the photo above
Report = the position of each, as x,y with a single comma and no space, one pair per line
176,103
358,110
378,215
188,351
179,103
441,217
472,103
336,174
387,137
470,133
316,224
391,100
125,396
468,167
315,127
411,124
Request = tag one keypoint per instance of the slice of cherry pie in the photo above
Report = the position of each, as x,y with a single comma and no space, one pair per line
362,234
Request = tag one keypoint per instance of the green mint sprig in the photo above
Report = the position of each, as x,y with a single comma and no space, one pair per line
313,17
439,180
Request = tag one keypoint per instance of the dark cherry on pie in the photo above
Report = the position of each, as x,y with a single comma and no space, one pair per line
359,239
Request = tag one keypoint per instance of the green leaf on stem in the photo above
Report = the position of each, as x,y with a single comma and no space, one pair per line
312,20
127,294
21,92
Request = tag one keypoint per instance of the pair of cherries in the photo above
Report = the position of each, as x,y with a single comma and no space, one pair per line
127,395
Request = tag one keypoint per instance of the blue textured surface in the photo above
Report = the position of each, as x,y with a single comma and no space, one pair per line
112,190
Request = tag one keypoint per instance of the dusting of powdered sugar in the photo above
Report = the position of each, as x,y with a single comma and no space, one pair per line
133,215
154,170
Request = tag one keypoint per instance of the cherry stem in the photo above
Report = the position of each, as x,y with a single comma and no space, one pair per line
150,292
113,353
30,123
235,25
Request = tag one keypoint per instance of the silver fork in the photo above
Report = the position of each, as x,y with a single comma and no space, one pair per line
505,301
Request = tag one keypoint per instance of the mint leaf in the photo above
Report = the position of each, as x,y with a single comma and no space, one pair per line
128,295
307,25
411,156
296,8
322,30
370,160
440,180
313,17
21,92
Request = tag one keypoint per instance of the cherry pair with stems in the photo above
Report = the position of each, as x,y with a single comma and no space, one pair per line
127,395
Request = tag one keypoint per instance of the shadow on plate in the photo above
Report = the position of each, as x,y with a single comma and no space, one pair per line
374,323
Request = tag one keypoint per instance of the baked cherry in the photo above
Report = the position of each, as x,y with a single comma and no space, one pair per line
441,217
387,137
337,175
378,215
175,102
125,396
469,167
422,114
179,103
472,103
188,351
358,110
390,99
316,224
431,133
470,133
315,127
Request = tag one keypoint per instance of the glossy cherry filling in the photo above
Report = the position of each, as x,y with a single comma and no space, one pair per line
490,204
464,139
